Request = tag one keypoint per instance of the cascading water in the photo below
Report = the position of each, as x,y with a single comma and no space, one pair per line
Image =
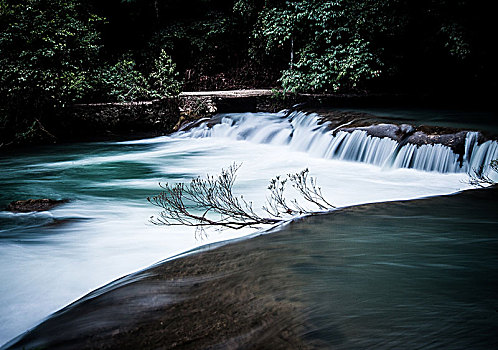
304,132
49,259
481,155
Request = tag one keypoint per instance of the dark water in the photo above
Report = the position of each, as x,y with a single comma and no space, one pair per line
408,275
400,275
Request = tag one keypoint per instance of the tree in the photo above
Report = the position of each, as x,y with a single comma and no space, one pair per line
51,56
48,49
211,201
164,77
327,49
48,52
122,81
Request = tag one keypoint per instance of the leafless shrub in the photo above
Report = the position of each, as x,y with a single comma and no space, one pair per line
277,204
210,201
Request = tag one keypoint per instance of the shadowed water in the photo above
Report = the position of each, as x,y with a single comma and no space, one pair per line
410,275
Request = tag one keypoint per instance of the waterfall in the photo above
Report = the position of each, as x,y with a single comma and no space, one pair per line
304,132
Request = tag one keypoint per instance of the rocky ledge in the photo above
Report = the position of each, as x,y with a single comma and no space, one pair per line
406,133
401,132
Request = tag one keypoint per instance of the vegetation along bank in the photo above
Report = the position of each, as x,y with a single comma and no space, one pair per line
55,54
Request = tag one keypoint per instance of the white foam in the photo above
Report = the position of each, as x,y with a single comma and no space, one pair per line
59,264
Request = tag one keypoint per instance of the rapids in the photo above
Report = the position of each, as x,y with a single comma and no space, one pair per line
305,133
49,259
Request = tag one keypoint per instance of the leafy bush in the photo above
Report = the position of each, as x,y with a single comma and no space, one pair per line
123,82
50,55
47,51
164,77
338,67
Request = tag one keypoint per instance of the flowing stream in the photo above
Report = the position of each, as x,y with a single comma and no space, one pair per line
49,259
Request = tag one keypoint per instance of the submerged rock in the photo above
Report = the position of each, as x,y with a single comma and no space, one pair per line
455,140
30,205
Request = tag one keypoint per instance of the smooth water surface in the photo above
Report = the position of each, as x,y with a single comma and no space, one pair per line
406,275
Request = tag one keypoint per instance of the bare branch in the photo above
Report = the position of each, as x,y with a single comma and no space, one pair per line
309,190
210,201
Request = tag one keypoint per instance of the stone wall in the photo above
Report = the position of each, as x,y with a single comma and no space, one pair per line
124,120
153,118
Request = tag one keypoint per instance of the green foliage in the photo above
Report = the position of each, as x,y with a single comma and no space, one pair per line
455,41
278,95
326,37
275,27
339,67
164,77
245,8
123,82
204,38
51,57
47,51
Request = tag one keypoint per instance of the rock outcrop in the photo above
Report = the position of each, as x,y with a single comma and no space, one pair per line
396,130
33,205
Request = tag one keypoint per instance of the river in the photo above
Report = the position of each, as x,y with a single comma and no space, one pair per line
49,259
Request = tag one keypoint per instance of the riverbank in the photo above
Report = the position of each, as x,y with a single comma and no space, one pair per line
423,264
103,233
132,120
155,118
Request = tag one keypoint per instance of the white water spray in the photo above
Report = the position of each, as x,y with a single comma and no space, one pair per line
304,132
48,260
